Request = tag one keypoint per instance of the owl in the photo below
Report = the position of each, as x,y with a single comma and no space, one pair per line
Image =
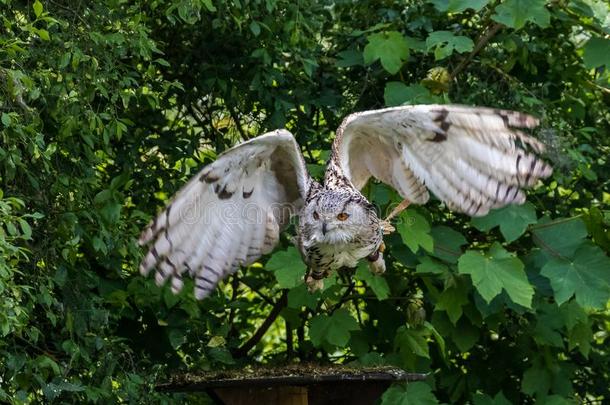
232,212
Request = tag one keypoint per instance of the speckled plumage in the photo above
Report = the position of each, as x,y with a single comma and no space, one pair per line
232,212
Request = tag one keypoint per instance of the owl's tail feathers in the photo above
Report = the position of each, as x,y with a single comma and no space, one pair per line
386,225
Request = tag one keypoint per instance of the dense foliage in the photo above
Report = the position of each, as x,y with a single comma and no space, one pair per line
108,106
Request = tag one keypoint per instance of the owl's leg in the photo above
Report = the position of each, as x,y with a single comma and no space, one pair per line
314,279
386,225
376,262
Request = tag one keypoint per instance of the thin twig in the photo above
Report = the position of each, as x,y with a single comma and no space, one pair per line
243,350
235,118
481,42
347,292
289,341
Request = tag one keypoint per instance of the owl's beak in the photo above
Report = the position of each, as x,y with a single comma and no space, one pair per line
324,228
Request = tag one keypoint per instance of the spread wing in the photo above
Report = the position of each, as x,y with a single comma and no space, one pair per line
473,159
229,214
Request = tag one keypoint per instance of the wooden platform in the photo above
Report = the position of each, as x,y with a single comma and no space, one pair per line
293,385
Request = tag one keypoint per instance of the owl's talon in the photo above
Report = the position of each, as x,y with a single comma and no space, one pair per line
313,285
376,262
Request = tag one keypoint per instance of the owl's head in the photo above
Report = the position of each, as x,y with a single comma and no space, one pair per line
337,217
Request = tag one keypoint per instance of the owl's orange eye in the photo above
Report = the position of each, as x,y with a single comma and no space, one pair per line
342,216
316,216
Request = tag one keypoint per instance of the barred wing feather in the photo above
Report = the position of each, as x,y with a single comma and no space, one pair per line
473,159
229,214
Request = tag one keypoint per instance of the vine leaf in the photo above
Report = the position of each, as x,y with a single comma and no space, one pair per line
378,283
334,329
398,93
536,380
597,53
560,237
447,243
288,267
586,276
513,220
451,301
495,271
483,399
390,48
414,230
299,297
457,6
445,42
516,13
409,394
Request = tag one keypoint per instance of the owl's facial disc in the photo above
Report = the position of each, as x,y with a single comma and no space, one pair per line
335,220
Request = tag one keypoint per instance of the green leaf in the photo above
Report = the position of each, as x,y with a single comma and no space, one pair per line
415,231
513,220
255,28
221,354
536,381
586,276
415,393
350,57
26,230
377,283
37,6
465,335
495,271
43,34
388,47
581,336
412,341
451,301
515,13
560,237
288,267
457,6
557,400
431,266
299,297
398,93
447,243
334,329
483,399
209,5
597,53
99,245
6,120
445,42
572,314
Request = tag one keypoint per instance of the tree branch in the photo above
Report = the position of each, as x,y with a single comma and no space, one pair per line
235,118
481,42
243,350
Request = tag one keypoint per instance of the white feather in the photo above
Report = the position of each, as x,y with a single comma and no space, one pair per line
206,228
473,159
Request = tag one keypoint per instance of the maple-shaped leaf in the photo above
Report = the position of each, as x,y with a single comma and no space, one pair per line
414,230
513,220
515,13
495,271
585,276
390,48
334,329
288,267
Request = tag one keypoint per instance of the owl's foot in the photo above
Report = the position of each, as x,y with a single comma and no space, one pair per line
376,262
313,285
386,226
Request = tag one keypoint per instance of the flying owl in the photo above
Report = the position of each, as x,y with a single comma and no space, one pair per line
232,212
